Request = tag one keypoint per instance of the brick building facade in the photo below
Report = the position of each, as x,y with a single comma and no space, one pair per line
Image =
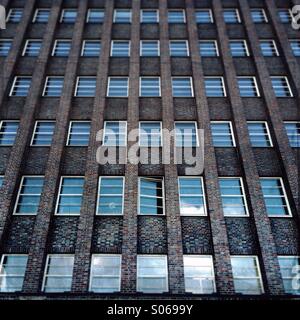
229,41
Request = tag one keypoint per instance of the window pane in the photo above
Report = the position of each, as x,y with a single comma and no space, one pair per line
259,134
150,134
14,15
151,199
5,46
91,48
43,133
179,48
62,48
204,16
54,86
186,134
258,15
293,132
247,86
238,48
21,86
120,49
281,87
176,16
8,132
222,134
32,48
208,48
95,16
182,87
214,87
268,48
122,16
118,87
231,16
115,133
149,48
288,269
285,15
41,16
149,16
295,44
150,87
86,87
69,16
79,133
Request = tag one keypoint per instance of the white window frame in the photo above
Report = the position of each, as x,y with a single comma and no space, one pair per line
92,266
289,215
237,15
141,48
108,87
74,194
10,12
187,47
55,46
243,196
268,133
83,47
197,137
285,123
163,196
77,86
223,85
19,193
289,11
203,195
89,14
258,270
274,46
281,257
1,124
98,196
69,133
216,46
3,256
263,12
191,86
148,9
245,46
149,256
34,133
184,16
112,48
231,133
205,10
26,45
213,277
63,13
36,13
14,83
255,85
45,86
122,9
288,86
104,133
161,133
59,276
140,86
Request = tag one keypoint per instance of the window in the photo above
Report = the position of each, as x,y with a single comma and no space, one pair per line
5,46
58,273
43,132
239,48
85,87
295,45
91,48
182,87
293,132
275,197
222,134
186,134
1,181
8,132
151,196
14,15
122,16
269,48
68,16
248,87
149,48
214,87
79,133
41,16
150,134
285,15
233,197
259,16
208,48
281,87
53,86
12,272
117,87
115,133
199,274
110,196
179,48
176,16
120,48
149,16
152,274
150,87
32,48
246,275
70,196
204,16
231,16
259,134
105,273
29,195
61,48
191,196
288,267
20,87
95,16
